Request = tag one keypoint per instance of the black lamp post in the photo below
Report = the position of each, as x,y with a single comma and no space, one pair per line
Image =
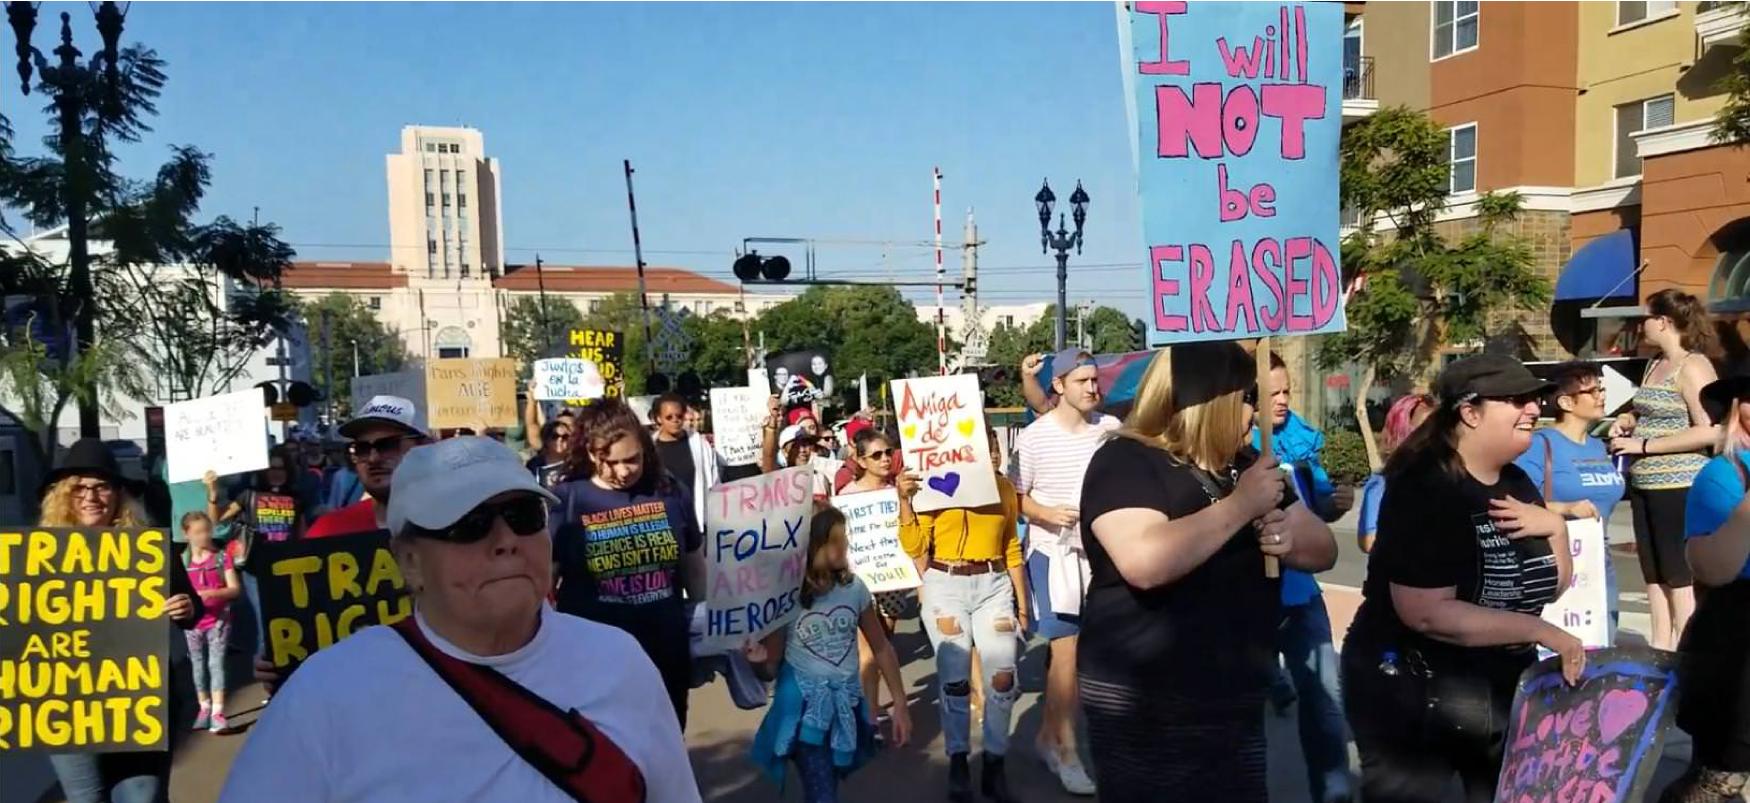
1061,240
67,81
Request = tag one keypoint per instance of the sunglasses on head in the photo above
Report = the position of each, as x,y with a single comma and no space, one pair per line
526,515
385,445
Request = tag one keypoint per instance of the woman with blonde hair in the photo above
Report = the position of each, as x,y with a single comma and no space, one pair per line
1178,638
1668,434
89,491
1714,666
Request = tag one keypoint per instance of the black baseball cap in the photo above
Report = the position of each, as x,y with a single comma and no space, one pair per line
1718,396
1486,376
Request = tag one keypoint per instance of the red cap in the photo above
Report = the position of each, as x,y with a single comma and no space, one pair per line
796,415
855,426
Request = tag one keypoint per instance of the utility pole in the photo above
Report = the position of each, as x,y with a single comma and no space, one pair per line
638,257
975,348
546,330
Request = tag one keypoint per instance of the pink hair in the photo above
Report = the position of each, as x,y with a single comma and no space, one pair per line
1399,416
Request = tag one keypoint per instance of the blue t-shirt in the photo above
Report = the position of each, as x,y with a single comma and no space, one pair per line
822,642
1372,491
1718,488
1578,471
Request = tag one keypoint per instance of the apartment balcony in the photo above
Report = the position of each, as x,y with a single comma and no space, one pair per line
1718,23
1358,98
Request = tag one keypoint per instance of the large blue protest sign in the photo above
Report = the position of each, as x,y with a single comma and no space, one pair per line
1238,111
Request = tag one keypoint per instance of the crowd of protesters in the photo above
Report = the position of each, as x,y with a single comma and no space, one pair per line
1140,551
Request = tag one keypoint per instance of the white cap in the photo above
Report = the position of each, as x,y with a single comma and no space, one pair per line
384,410
438,483
789,434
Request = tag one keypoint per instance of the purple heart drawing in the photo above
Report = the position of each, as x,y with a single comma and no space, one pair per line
946,484
1620,709
821,635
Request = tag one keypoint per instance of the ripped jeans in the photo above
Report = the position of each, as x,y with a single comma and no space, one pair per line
963,613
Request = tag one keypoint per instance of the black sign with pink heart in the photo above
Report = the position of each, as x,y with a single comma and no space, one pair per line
1596,741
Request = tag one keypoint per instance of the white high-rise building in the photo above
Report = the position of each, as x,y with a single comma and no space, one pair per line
446,236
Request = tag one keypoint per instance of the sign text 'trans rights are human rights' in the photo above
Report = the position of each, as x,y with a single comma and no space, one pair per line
1239,113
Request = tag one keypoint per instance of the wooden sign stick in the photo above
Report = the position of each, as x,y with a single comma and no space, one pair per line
1272,565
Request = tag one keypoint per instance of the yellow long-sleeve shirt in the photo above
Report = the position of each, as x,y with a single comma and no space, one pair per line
968,534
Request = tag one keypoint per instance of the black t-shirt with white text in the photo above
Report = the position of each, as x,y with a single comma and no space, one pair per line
1212,631
1435,531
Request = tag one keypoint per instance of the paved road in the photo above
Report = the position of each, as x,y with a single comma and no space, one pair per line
719,735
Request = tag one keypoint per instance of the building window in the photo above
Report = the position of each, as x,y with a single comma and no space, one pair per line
1627,12
446,200
462,199
376,302
453,353
430,148
1635,117
429,198
1461,158
428,177
1455,27
594,304
464,270
431,246
444,176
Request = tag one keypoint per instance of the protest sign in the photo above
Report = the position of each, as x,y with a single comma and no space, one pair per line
1583,610
1238,112
872,527
641,407
469,393
1597,741
566,378
225,434
409,385
607,350
83,657
756,544
738,417
800,377
941,429
274,516
316,592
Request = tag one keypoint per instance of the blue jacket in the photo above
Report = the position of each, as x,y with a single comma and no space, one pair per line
1296,443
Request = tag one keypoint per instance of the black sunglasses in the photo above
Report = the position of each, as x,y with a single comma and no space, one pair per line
878,454
526,515
1517,401
385,445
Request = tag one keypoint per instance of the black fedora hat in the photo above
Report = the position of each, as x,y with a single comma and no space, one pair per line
88,457
1719,394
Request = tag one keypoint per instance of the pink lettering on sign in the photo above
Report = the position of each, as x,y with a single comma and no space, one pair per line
1165,288
772,492
1163,65
1299,274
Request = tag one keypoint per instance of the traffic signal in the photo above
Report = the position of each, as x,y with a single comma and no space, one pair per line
752,267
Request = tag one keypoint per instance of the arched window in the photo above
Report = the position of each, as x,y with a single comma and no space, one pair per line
452,342
1728,289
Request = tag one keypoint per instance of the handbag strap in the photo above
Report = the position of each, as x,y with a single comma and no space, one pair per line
1549,468
563,745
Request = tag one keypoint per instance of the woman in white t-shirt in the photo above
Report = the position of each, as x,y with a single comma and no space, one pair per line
413,712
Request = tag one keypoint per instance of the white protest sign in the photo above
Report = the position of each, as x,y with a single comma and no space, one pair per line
941,430
566,378
757,378
409,385
756,543
641,407
737,417
1584,608
225,434
872,527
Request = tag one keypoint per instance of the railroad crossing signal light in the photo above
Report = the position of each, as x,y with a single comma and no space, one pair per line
751,267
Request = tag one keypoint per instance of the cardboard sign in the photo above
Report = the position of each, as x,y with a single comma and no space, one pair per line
872,527
318,591
409,385
566,378
226,434
84,664
738,418
607,350
469,392
941,429
1597,741
1238,108
756,542
1584,609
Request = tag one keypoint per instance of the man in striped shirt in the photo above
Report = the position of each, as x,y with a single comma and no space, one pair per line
1053,454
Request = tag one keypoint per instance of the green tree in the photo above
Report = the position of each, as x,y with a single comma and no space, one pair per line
1108,330
1419,290
718,349
1732,122
533,331
357,344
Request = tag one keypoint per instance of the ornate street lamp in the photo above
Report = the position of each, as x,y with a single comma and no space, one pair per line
1062,240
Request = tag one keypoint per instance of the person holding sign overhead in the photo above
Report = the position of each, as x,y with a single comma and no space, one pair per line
974,580
1714,667
627,542
1178,638
485,692
89,491
1466,558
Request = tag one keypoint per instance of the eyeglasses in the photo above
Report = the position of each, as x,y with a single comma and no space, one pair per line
878,454
1591,391
93,489
1517,401
526,515
364,449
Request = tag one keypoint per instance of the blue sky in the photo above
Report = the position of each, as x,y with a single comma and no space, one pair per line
784,119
